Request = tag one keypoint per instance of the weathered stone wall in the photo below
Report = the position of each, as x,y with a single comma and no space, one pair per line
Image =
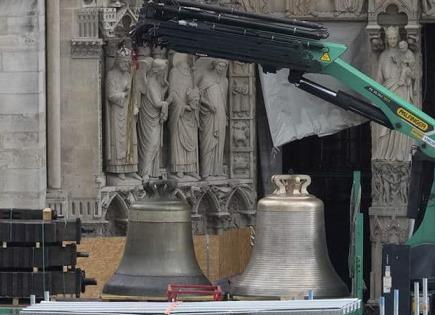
22,104
81,120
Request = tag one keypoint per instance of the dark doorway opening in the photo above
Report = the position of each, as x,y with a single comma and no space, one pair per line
330,161
428,105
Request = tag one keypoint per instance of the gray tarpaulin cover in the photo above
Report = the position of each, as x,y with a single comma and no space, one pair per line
294,114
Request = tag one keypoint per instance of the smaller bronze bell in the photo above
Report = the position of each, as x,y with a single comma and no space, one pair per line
290,256
159,247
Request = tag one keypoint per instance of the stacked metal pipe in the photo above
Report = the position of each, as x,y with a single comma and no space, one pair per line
296,307
33,258
202,30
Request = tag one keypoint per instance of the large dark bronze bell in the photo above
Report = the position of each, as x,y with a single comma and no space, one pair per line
290,256
159,247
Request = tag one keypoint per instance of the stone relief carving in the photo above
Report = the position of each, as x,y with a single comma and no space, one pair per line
390,183
213,86
241,93
299,7
348,6
428,7
121,135
241,134
241,164
396,71
326,8
183,118
240,68
389,230
257,6
153,113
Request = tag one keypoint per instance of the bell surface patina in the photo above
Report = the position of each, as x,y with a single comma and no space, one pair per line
159,247
290,255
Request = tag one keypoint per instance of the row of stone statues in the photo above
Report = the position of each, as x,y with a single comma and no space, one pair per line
143,98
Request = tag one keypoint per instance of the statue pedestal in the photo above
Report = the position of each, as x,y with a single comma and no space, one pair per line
114,180
388,215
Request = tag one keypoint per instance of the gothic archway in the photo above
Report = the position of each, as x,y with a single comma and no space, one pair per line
116,217
207,204
240,207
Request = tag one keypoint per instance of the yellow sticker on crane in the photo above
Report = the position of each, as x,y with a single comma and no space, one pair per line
412,119
325,57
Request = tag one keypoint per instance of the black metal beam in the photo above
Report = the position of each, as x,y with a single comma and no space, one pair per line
344,100
232,11
24,284
27,258
32,231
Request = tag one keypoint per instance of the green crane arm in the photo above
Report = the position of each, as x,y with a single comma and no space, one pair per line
277,43
402,116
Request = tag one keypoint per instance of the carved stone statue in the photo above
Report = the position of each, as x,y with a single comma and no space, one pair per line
396,71
153,113
121,133
240,97
405,59
213,86
183,118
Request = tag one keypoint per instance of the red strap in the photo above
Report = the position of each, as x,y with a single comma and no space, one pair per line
172,307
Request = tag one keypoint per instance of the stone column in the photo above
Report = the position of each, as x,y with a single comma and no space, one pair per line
242,124
22,103
394,33
53,97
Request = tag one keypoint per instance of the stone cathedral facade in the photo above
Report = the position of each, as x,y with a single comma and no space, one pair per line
80,132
